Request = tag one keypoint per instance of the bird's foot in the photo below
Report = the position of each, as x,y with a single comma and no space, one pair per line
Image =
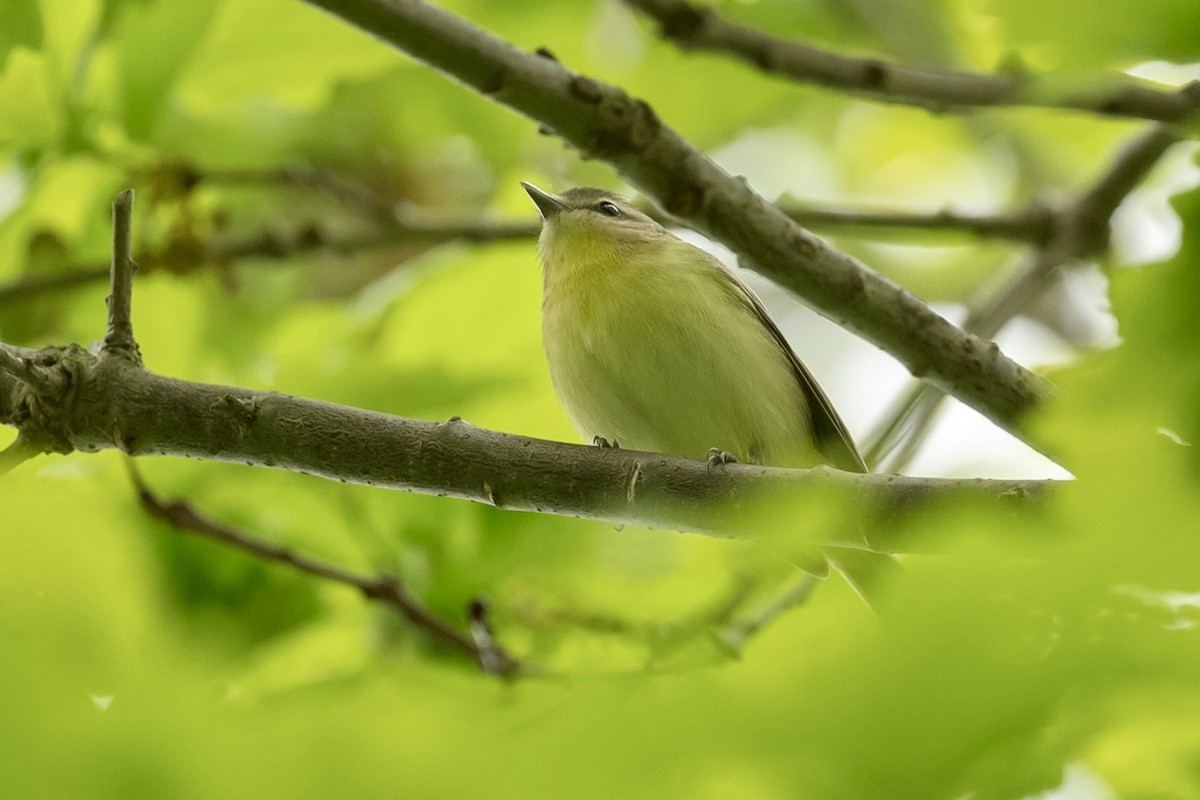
719,458
604,444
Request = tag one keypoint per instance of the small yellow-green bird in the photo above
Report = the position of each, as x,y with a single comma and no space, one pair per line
653,345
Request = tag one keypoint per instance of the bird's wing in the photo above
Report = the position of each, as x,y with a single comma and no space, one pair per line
829,432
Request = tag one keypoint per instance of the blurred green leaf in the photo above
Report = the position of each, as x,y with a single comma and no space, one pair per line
1074,34
29,118
158,41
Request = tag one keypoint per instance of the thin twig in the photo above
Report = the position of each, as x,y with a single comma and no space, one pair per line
118,339
735,635
1080,230
407,225
1032,224
317,180
385,589
47,284
702,28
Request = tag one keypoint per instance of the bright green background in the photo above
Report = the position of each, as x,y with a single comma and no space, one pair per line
1019,646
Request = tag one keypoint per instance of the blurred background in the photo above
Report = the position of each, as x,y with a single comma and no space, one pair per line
318,215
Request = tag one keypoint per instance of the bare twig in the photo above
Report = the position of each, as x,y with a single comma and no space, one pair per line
1080,230
702,28
407,225
735,635
317,180
118,339
385,589
1032,224
32,285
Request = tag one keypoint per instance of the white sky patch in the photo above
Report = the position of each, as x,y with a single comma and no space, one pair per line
1183,605
1145,227
13,188
780,161
1166,72
1079,782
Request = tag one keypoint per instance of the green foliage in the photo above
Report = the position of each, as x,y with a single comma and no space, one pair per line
140,663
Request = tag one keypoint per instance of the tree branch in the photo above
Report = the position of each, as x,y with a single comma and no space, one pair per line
385,589
694,27
604,122
117,404
408,225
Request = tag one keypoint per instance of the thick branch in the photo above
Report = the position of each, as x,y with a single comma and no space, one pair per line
696,27
604,122
116,404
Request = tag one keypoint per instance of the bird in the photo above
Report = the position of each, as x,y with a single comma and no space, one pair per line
653,344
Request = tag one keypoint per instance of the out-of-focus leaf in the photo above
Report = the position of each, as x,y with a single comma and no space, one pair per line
22,27
1080,34
29,118
157,40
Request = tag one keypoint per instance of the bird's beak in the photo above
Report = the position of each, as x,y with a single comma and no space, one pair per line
548,205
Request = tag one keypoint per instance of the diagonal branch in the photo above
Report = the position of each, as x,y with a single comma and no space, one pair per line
695,27
605,123
385,589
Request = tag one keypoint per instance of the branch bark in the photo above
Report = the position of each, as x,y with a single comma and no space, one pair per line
114,403
695,27
605,123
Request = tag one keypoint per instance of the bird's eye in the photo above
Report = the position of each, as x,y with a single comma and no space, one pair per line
608,209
